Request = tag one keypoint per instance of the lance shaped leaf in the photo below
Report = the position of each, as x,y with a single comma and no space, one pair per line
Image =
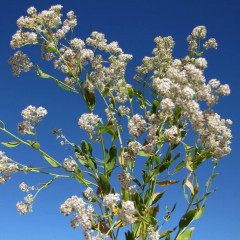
11,144
111,160
50,160
186,235
167,182
104,184
187,219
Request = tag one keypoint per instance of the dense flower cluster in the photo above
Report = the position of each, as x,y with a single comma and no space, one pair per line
69,164
136,125
111,200
216,135
19,63
127,211
152,234
7,167
82,217
32,116
88,122
183,101
25,188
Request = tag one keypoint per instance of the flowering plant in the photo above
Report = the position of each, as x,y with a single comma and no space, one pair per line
169,114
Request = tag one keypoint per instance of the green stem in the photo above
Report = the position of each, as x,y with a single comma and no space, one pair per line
26,143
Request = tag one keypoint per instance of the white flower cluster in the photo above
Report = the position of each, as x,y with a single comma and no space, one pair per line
88,235
88,193
127,211
6,167
133,148
172,135
136,125
26,206
82,217
216,135
25,188
125,179
198,33
19,63
88,122
161,59
32,116
111,200
69,164
122,110
23,208
152,234
211,43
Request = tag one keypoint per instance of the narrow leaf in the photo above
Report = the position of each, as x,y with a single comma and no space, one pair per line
187,219
50,160
11,144
167,182
186,235
104,184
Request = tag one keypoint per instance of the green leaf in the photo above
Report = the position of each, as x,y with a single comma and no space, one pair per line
84,147
30,133
107,129
149,220
187,219
90,97
186,235
2,124
158,197
165,233
129,235
161,168
143,154
211,178
187,147
35,145
154,106
179,166
50,160
106,90
111,160
52,49
11,144
90,148
104,184
130,94
199,213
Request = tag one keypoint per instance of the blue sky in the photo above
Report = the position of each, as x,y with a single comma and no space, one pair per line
134,24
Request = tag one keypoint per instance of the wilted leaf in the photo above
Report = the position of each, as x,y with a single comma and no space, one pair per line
157,197
103,226
189,184
167,182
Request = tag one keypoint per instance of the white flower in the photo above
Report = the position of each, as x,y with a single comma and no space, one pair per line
69,164
127,211
111,200
88,122
137,125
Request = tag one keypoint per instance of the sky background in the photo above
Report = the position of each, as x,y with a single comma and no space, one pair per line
134,24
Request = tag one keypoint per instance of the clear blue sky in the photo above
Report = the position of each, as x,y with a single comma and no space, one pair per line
134,24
